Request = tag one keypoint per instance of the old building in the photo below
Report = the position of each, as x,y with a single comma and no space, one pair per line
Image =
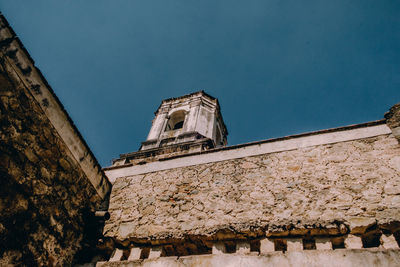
326,198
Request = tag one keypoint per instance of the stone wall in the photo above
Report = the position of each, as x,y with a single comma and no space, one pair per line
47,198
345,184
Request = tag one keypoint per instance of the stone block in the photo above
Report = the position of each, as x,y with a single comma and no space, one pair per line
266,246
323,243
396,132
117,255
358,225
218,248
294,244
155,252
126,229
243,248
135,254
388,242
353,242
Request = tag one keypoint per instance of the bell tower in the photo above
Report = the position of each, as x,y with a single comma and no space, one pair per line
186,124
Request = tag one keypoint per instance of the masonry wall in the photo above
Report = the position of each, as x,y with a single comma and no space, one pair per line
346,184
47,201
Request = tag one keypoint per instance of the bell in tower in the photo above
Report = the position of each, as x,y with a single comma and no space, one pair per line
186,124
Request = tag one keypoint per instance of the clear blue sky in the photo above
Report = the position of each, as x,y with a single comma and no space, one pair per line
278,67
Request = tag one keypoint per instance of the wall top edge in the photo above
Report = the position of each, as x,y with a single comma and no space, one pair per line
329,130
325,137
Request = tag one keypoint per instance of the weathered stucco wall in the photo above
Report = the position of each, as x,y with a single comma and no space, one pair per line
47,196
342,182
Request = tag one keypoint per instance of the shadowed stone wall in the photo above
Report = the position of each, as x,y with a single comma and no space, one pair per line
46,199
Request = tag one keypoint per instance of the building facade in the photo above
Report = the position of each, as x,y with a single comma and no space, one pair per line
185,198
327,198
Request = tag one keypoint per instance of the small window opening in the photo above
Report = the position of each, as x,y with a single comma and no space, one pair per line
145,253
280,245
178,125
125,254
176,121
371,240
230,247
309,244
255,246
338,242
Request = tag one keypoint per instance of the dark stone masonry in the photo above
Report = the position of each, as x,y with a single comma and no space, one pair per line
47,202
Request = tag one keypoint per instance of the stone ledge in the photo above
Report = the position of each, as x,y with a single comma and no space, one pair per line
331,136
376,237
330,258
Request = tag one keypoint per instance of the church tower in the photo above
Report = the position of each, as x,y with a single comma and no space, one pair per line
186,124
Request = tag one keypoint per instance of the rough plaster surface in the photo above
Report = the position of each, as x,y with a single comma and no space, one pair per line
353,182
333,258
